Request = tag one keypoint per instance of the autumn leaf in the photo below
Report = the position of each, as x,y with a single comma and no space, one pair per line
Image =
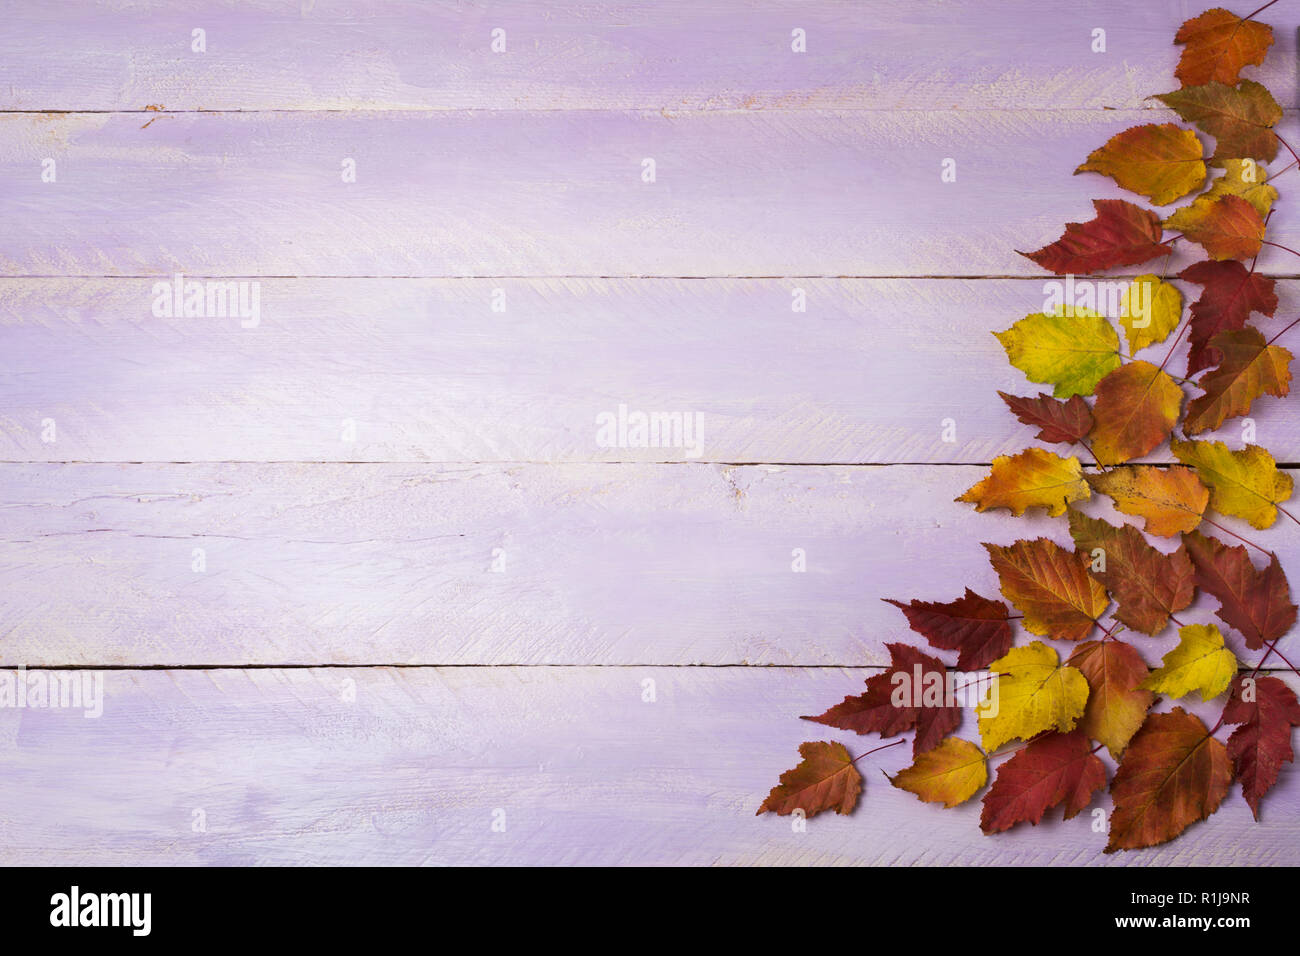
1217,45
1117,705
1035,692
893,704
950,774
1200,662
1159,161
1122,234
1247,179
1250,368
825,779
1266,710
1255,603
1245,484
1149,310
1171,500
1050,586
974,626
1059,422
1227,227
1173,774
1230,295
1051,770
1240,118
1136,409
1071,349
1035,478
1147,585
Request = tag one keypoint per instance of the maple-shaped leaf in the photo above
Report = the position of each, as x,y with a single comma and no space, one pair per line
1173,774
1217,45
950,774
1266,709
1051,770
1149,310
1059,422
1171,500
1117,704
1200,663
825,779
1160,161
1035,478
1250,368
1147,585
909,693
1247,179
1050,586
1034,692
1136,409
974,626
1227,227
1122,234
1230,295
1255,603
1070,348
1240,118
1245,484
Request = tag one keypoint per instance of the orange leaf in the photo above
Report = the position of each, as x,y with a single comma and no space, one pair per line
1050,586
1250,368
1171,500
1159,161
1240,118
1122,235
1116,704
1173,774
825,779
1217,45
1227,227
1136,409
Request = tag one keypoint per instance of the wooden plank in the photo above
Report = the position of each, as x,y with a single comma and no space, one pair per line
555,193
280,767
601,564
427,371
725,54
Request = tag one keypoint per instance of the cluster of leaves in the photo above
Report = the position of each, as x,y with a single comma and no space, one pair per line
1172,769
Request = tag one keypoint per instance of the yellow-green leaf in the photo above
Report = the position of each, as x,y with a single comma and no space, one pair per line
1200,662
1035,478
950,773
1150,309
1071,349
1034,692
1245,484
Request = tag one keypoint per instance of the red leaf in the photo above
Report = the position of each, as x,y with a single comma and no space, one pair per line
1256,603
1230,294
1061,422
1058,768
1122,235
877,711
1262,743
975,626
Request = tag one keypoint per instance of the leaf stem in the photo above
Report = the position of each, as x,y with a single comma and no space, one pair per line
1237,536
870,752
1259,11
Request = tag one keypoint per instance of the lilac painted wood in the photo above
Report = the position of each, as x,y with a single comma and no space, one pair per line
383,766
724,54
555,193
428,371
600,564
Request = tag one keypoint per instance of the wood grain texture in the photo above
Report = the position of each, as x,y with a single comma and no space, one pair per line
871,372
724,54
286,770
603,564
556,193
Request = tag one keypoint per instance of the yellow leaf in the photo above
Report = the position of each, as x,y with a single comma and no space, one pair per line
1160,161
1035,478
1150,310
950,773
1200,662
1034,692
1069,348
1171,500
1247,179
1245,484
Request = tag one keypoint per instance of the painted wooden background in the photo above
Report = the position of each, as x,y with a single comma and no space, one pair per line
430,598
